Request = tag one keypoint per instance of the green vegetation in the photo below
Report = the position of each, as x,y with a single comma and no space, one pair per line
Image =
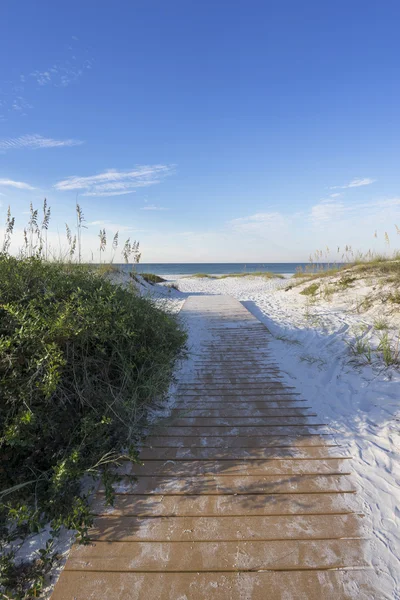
81,359
363,304
266,274
390,349
345,281
317,274
151,278
310,290
394,297
381,325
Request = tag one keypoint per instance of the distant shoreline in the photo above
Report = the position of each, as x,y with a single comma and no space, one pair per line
175,270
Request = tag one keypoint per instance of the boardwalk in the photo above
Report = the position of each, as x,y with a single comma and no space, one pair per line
243,494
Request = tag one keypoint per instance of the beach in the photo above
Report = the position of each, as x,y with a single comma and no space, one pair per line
316,342
326,340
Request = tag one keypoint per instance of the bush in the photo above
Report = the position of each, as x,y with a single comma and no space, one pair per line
151,278
80,360
310,290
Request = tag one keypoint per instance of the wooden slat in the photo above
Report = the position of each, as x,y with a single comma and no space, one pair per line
228,505
280,585
227,484
244,420
224,412
184,468
175,529
236,454
223,556
266,441
244,430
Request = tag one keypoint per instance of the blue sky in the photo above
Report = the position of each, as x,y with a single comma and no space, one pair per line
210,131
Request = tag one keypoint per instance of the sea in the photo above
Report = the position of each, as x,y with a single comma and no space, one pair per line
182,269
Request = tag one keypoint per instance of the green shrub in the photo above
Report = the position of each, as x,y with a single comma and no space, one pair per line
80,360
394,297
151,278
310,290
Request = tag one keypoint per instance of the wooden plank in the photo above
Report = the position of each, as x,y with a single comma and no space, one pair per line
235,387
245,431
279,585
247,404
225,411
185,468
228,505
243,420
175,529
223,556
227,484
299,453
266,441
240,397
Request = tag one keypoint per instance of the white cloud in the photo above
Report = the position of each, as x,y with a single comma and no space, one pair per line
20,105
330,211
63,73
257,223
35,141
121,193
103,224
335,195
325,211
115,183
153,207
354,183
16,184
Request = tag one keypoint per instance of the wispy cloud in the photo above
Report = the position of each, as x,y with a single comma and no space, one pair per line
354,183
20,105
34,142
62,74
115,183
17,95
328,211
104,224
325,211
16,184
153,207
257,223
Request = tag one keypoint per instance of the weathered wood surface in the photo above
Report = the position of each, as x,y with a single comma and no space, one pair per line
243,493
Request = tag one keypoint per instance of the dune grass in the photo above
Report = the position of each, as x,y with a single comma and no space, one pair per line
151,278
265,274
310,290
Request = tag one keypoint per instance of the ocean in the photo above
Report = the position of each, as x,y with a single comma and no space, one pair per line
217,268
